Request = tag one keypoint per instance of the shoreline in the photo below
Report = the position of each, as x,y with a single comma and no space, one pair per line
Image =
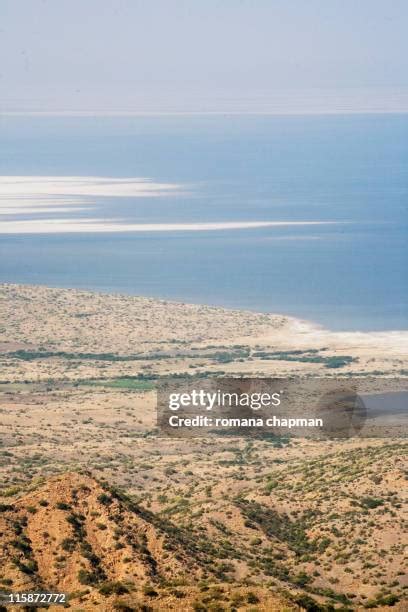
76,320
300,323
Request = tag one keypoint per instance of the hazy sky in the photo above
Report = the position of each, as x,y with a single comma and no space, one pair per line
203,55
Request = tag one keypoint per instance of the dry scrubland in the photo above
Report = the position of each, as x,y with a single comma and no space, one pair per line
95,504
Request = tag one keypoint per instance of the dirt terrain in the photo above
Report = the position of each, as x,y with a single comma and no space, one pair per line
95,503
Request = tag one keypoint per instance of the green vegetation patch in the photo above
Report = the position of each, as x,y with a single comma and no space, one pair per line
219,356
309,356
33,355
279,526
135,383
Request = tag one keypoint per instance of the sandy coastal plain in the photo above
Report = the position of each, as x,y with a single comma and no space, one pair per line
47,319
95,504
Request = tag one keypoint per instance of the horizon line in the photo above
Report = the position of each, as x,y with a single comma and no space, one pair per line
193,113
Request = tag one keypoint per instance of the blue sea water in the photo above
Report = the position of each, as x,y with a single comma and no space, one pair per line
350,168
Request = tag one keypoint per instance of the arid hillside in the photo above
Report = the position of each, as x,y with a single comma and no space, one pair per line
74,535
310,524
